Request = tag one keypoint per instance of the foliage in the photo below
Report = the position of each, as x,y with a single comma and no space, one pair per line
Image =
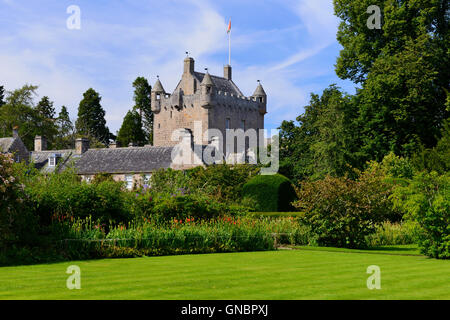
17,222
403,69
142,99
65,138
324,142
426,200
46,125
91,118
19,110
271,192
63,195
2,96
342,211
389,233
131,130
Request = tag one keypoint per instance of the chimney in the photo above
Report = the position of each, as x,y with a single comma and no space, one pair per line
81,145
15,132
40,143
189,65
132,144
227,72
113,145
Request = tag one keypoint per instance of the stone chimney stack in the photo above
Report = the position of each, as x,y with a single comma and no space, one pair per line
15,132
81,145
227,72
189,65
113,145
40,143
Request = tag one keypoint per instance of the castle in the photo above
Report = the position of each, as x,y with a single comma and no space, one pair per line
199,98
214,101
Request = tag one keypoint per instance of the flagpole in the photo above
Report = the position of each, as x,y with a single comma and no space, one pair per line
229,48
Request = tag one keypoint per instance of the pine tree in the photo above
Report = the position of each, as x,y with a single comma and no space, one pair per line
131,130
91,118
142,100
65,138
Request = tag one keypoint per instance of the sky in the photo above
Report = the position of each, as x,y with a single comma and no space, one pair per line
289,45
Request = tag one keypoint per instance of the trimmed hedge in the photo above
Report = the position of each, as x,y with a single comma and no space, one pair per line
272,193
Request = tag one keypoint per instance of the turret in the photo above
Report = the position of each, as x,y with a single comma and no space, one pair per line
260,96
207,87
157,94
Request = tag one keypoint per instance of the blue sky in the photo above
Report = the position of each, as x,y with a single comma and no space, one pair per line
289,45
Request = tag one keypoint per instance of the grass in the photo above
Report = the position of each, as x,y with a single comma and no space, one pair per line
283,274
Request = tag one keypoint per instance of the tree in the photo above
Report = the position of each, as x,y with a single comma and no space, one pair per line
2,95
131,130
65,138
46,125
91,118
19,110
142,99
403,69
325,142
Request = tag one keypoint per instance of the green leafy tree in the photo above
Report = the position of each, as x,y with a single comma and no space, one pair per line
142,100
19,110
91,118
325,140
403,69
131,130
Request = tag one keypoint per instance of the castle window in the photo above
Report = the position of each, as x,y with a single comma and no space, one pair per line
260,99
228,123
158,96
159,125
208,89
171,114
243,125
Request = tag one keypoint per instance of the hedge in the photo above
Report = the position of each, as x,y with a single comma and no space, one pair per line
272,193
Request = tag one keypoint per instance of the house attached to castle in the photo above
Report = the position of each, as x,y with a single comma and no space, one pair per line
199,98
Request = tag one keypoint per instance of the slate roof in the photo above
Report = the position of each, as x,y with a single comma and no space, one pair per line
221,84
124,160
67,159
5,144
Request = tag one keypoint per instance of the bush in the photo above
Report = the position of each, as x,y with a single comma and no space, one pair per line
426,200
389,234
17,222
341,211
271,193
63,194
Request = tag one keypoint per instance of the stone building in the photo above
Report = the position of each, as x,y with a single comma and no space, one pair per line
14,145
214,101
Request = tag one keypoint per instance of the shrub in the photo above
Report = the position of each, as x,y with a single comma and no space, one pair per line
341,211
426,200
271,193
17,222
63,194
389,234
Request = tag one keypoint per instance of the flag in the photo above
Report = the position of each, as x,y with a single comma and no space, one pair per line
229,27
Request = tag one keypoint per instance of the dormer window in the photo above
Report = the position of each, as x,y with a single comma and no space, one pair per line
53,160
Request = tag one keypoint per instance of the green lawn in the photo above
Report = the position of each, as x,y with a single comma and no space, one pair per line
283,274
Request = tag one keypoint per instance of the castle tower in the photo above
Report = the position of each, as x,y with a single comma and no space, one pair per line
157,94
261,98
